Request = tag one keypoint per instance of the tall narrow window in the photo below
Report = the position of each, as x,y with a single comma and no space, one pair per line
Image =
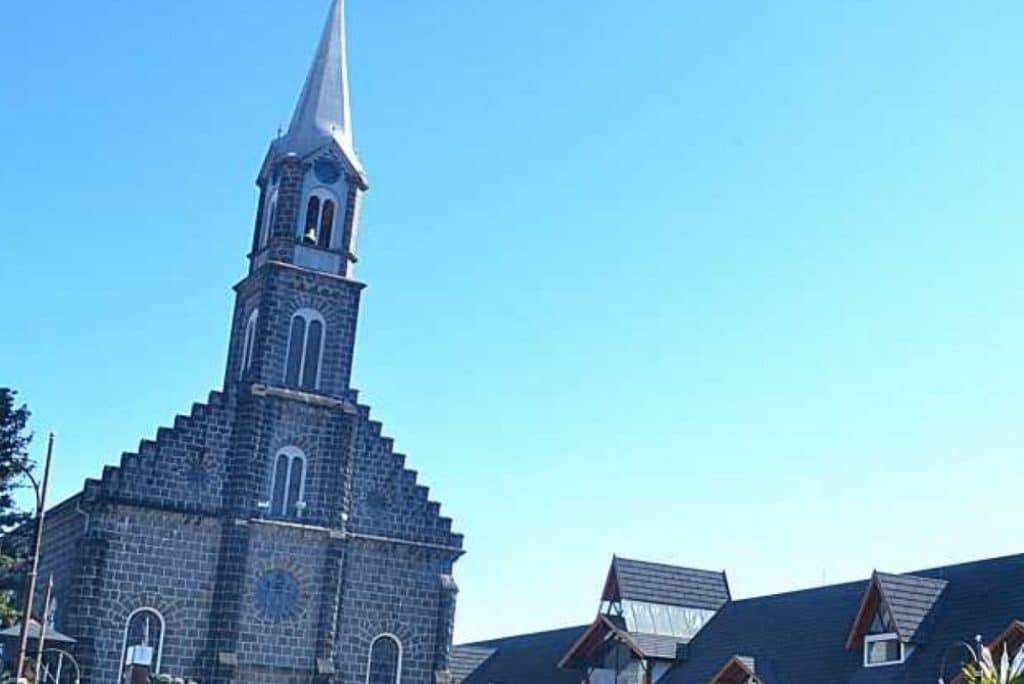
268,220
143,640
249,342
385,666
317,227
289,483
326,225
305,350
311,362
309,233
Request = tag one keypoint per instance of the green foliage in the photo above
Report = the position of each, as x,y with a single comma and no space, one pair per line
14,461
987,671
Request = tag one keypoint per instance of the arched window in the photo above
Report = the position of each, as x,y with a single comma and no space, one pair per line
143,640
318,227
249,342
288,486
385,665
268,220
305,350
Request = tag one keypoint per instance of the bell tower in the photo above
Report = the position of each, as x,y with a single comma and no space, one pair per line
295,317
311,182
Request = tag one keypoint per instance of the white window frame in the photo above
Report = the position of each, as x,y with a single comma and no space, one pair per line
268,218
324,195
888,636
249,342
308,315
369,655
292,453
159,648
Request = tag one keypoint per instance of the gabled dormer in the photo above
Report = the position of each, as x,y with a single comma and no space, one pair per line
894,617
647,615
653,598
745,670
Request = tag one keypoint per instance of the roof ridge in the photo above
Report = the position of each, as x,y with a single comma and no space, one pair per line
492,641
667,565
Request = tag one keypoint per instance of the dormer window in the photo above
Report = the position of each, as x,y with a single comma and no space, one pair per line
894,617
318,228
883,649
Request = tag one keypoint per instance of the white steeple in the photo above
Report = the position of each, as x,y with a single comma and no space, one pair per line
323,112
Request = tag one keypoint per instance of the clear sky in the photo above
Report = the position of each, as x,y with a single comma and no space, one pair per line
725,284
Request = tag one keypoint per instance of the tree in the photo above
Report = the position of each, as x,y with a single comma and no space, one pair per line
14,462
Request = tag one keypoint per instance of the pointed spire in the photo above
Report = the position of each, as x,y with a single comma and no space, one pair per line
323,111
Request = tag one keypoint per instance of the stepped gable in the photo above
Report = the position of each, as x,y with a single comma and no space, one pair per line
390,501
183,468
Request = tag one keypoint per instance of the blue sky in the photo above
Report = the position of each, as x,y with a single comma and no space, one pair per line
726,284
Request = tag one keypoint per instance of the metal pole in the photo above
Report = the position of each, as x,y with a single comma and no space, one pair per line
42,629
30,591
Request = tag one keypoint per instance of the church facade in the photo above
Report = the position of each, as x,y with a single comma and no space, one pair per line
271,535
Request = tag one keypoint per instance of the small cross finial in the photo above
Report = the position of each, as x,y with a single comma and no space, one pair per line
280,131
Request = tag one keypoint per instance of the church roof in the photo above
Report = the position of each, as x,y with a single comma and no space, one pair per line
323,112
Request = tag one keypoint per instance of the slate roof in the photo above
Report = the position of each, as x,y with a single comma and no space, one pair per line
803,634
34,632
910,599
657,645
667,584
523,659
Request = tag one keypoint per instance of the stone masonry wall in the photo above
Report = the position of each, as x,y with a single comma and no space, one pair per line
388,501
184,468
62,536
280,290
157,559
278,634
391,589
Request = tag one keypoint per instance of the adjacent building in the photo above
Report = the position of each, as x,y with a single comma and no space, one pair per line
271,534
659,624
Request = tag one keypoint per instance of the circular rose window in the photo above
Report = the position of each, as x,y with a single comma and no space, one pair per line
277,594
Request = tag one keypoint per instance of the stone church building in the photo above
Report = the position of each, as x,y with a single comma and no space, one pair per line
272,535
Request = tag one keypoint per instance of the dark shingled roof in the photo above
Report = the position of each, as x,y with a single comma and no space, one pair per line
668,584
803,634
524,659
910,599
656,645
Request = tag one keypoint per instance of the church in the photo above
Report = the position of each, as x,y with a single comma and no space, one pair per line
271,535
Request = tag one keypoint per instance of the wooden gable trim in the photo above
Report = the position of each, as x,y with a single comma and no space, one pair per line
605,627
611,590
865,613
874,596
735,664
1012,636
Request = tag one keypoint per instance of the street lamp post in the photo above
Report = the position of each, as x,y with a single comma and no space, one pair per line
30,589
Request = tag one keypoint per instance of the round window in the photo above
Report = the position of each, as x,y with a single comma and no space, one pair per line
277,595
